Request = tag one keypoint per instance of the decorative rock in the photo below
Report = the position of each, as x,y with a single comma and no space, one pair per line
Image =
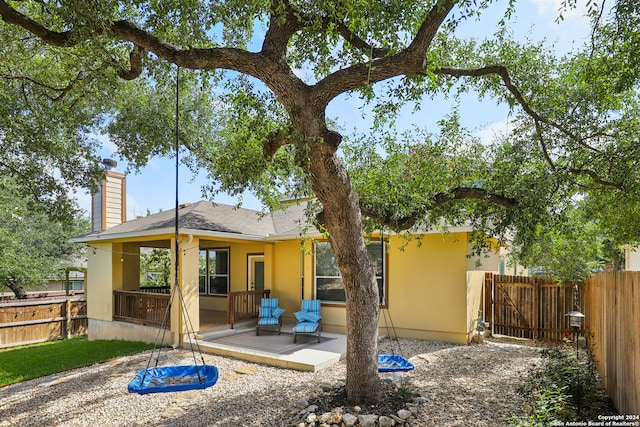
349,420
336,417
404,414
357,409
386,421
302,403
312,418
172,412
367,420
246,369
324,418
230,376
187,396
397,418
94,395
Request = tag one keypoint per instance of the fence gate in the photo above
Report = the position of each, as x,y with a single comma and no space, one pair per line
532,307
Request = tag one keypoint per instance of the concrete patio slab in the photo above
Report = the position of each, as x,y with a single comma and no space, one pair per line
276,350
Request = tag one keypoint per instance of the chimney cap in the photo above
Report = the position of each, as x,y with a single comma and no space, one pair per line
109,163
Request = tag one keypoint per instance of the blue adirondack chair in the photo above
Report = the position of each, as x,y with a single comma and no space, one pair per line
309,319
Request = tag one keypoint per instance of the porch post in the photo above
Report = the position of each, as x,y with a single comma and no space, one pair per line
189,273
188,283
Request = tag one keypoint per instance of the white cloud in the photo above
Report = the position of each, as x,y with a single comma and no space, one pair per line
494,130
108,148
84,201
554,7
133,208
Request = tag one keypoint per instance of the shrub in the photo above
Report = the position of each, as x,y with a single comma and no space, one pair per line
564,388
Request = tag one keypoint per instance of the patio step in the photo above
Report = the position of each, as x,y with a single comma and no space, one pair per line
275,350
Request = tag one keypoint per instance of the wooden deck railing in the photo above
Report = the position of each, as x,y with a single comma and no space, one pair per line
244,305
140,307
156,289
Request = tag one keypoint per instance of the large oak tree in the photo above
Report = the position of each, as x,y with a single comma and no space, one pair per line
259,76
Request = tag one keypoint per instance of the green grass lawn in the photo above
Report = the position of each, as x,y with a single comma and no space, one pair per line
24,363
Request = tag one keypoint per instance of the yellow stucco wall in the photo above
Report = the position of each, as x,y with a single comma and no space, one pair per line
188,276
100,282
130,263
427,287
287,262
431,291
238,274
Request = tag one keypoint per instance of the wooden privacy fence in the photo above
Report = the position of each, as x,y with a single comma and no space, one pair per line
613,315
28,322
530,307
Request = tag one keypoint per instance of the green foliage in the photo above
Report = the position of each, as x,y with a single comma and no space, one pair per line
25,363
579,143
571,248
549,409
50,101
33,247
155,267
564,388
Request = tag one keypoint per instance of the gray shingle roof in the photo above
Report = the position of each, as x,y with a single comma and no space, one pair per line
209,217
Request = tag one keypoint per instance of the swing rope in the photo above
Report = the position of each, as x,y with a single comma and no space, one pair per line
176,288
395,361
394,338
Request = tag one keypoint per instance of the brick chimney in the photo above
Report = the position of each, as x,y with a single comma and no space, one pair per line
108,205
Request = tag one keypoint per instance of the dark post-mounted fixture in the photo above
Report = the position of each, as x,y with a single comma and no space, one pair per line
575,322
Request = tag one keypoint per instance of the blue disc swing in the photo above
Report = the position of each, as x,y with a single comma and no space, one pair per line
182,377
393,362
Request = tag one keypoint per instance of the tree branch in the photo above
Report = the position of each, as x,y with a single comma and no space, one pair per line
135,67
357,42
459,193
430,26
503,73
409,61
275,141
12,16
543,145
61,91
593,175
283,23
204,59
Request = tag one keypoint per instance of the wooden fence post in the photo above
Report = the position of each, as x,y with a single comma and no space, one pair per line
68,318
535,296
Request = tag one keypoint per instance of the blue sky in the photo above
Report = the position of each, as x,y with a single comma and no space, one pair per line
153,188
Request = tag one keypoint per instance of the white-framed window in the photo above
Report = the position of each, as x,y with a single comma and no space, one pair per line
214,271
328,281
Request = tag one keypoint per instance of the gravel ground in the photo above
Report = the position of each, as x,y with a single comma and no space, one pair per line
461,386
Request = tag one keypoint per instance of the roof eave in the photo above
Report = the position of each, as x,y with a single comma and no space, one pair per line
164,231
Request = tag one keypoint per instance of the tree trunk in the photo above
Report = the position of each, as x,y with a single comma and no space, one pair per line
343,220
17,289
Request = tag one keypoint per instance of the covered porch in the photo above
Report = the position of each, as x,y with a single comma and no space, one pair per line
232,332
